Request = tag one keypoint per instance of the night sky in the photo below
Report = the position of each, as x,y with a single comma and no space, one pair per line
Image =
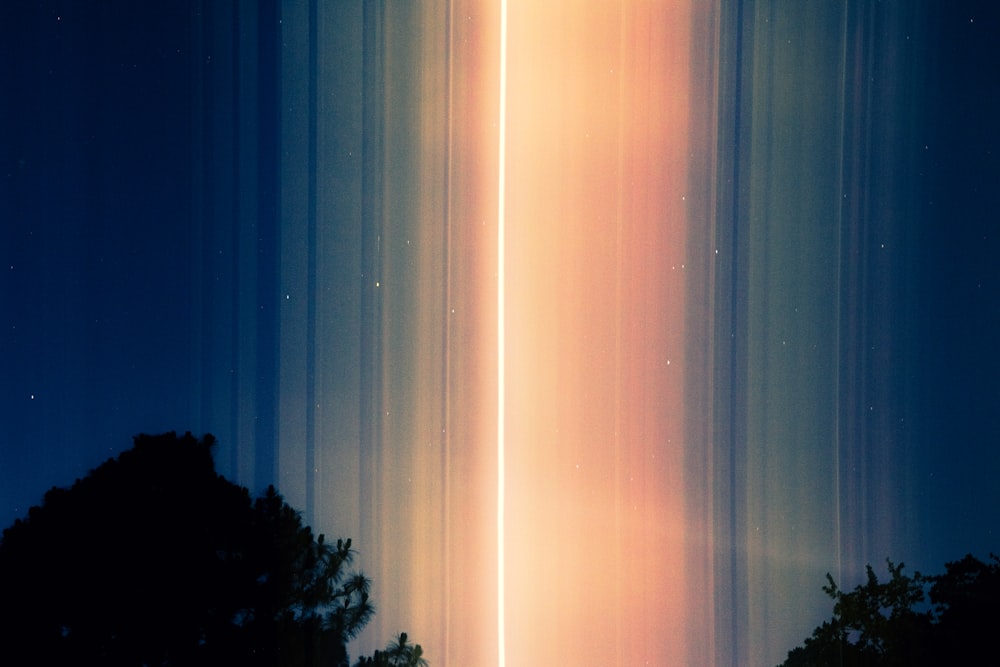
97,236
752,281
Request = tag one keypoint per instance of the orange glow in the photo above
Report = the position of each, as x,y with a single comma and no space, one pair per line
501,342
527,486
596,155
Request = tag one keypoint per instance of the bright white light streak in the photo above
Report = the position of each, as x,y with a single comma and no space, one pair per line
501,380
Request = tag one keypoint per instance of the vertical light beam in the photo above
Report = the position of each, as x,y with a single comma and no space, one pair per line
596,325
501,389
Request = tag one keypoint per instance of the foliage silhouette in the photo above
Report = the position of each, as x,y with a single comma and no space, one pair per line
910,620
398,653
155,559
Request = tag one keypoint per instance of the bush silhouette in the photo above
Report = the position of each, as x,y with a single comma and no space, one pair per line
155,559
944,619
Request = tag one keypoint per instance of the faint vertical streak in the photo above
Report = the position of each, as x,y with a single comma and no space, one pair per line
701,465
743,101
868,224
838,342
235,329
311,296
371,215
268,260
619,557
210,404
445,605
501,386
868,488
735,597
853,265
199,378
731,612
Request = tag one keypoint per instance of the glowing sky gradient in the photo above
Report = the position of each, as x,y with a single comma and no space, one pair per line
605,329
596,244
502,341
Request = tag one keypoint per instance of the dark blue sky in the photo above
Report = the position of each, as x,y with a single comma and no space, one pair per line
954,284
95,211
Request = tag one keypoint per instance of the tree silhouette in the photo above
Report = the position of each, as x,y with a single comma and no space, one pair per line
966,601
910,620
155,559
